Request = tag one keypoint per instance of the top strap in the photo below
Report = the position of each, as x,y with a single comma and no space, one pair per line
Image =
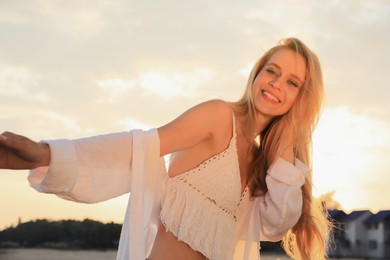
234,123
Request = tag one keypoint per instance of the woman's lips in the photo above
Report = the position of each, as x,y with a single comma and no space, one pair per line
270,96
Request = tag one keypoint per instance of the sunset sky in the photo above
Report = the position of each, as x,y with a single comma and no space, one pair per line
71,69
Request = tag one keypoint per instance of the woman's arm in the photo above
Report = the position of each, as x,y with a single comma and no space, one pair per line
193,126
281,206
87,170
98,168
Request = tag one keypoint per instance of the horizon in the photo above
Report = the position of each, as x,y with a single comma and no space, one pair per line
76,69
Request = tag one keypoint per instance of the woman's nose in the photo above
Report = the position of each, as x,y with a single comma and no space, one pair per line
275,83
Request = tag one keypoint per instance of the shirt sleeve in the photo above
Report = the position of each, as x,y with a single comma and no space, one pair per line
281,206
87,170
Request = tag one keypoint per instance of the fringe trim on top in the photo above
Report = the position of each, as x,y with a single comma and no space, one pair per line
198,221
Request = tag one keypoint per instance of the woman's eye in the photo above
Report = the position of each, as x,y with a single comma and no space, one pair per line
271,71
292,83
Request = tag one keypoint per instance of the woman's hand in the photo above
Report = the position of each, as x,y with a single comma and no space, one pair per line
19,152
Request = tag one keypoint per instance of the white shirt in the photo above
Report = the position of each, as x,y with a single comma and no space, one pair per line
99,168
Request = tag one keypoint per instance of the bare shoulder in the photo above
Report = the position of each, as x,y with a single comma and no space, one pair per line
207,120
219,111
216,107
216,115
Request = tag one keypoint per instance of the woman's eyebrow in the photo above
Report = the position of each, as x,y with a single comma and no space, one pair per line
274,64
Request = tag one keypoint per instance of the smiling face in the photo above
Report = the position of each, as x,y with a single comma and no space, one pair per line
277,85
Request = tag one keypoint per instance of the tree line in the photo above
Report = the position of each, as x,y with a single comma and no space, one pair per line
90,234
64,234
73,234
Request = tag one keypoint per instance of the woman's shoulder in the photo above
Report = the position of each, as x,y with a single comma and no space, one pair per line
217,108
219,114
209,121
214,117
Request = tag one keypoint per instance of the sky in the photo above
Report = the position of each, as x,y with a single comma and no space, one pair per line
70,69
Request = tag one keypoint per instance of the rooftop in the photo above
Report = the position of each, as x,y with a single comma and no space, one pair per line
336,214
383,215
354,215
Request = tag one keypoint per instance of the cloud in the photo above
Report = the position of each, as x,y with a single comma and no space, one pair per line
7,17
166,85
132,123
175,85
78,21
245,72
16,81
20,82
115,88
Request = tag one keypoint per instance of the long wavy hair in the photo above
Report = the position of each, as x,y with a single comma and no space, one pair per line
308,238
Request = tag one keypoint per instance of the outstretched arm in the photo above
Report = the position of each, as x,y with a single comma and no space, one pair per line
78,168
193,126
19,152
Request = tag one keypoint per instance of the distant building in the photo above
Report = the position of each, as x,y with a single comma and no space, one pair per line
356,233
361,234
339,244
378,234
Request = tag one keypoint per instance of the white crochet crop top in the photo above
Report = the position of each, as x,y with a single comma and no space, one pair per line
200,206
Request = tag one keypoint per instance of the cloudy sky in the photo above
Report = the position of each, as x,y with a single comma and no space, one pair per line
71,69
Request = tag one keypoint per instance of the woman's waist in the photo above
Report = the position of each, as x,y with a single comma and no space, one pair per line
167,246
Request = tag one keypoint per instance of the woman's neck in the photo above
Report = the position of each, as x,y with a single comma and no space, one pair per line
262,121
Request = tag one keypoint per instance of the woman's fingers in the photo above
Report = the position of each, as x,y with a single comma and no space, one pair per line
3,138
14,141
10,135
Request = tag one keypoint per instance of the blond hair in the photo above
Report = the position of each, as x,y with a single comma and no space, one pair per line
308,238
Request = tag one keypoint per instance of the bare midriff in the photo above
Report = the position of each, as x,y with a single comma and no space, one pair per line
166,246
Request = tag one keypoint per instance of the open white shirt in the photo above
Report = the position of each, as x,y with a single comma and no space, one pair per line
99,168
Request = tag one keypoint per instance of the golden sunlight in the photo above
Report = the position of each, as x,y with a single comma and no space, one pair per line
346,148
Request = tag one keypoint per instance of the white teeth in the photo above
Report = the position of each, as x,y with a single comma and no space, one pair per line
270,96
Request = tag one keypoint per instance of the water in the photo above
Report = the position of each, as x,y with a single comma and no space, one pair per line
51,254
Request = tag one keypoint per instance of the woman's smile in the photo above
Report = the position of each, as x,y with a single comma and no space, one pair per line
270,97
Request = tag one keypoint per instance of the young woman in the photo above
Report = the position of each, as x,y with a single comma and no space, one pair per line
238,172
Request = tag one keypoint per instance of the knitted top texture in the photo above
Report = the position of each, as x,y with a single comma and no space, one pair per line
201,206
